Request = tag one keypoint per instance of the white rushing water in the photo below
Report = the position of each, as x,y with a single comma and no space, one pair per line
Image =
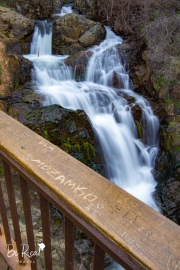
129,161
64,10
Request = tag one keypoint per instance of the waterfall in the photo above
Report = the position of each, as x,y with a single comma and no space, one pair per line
42,39
129,161
64,10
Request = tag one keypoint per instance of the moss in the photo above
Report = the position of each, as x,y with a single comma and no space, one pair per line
172,123
178,104
46,135
159,83
169,101
3,5
67,145
178,148
88,147
139,129
16,85
6,34
1,170
1,69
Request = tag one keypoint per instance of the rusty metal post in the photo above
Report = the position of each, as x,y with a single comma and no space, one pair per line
4,219
69,244
28,220
98,260
13,209
46,232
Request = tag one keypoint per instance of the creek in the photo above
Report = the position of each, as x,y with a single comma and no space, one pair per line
129,160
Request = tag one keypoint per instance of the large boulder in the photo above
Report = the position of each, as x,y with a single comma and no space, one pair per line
16,30
78,62
70,130
25,70
93,36
34,9
73,32
9,65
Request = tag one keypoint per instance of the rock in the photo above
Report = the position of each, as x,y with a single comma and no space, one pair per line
168,196
3,106
25,70
4,91
87,7
84,251
8,72
93,36
137,112
170,138
78,62
68,31
34,9
24,97
167,193
15,30
70,130
141,74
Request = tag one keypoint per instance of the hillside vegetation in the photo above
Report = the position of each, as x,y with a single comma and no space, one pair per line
155,21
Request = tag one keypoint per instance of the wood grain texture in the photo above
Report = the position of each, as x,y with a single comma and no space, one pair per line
148,237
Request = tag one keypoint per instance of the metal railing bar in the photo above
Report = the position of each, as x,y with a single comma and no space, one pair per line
45,219
13,209
69,244
5,220
98,259
99,238
28,220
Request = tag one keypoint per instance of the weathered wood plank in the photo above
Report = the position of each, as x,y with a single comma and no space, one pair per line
152,240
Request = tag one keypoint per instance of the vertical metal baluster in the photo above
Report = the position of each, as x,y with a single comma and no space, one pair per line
98,260
28,220
5,220
69,244
13,209
46,232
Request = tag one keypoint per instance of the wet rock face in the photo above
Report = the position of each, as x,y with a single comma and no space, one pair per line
25,70
9,65
70,130
78,62
167,172
15,29
73,32
93,36
167,193
34,9
170,138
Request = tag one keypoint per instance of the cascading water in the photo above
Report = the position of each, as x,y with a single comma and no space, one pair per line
65,10
129,161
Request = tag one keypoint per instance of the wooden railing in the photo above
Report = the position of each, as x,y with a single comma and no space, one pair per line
133,234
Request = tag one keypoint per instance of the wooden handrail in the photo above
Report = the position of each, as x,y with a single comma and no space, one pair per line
131,232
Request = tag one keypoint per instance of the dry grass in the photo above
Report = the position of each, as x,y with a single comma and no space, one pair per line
155,21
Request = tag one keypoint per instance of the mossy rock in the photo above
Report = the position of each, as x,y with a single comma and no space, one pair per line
68,129
139,129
